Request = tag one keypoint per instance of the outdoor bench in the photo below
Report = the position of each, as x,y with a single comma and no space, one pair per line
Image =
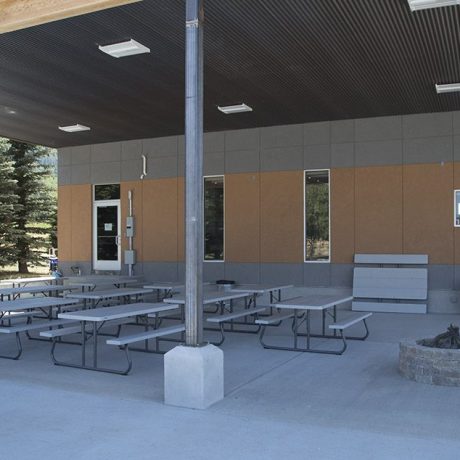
17,329
274,319
126,340
349,321
123,342
230,318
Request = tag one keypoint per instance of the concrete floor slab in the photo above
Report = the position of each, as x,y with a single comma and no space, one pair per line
278,404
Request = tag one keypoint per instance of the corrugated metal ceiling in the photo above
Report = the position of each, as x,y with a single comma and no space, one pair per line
292,61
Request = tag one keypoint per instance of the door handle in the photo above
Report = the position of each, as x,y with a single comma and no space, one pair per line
118,240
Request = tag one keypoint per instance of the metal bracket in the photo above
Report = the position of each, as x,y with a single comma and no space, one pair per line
193,23
144,167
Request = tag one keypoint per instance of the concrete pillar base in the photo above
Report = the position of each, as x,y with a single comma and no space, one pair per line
194,376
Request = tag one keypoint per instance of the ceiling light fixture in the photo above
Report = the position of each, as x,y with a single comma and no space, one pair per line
74,128
8,110
425,4
449,88
228,109
128,48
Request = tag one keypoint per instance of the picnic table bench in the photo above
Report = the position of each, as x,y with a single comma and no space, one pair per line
118,314
27,327
37,308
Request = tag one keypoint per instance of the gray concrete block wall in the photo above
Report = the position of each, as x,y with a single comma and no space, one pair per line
408,139
394,140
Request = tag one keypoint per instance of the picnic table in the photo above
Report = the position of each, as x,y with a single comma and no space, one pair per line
300,308
164,289
39,308
119,293
226,314
115,315
213,297
92,281
14,293
18,282
34,303
274,290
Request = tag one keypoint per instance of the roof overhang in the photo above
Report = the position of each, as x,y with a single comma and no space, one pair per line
291,62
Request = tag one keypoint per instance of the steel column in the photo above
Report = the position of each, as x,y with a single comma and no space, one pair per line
194,173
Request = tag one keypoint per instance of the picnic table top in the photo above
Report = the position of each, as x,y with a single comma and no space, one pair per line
314,302
37,279
260,288
34,289
166,285
35,303
211,297
105,279
109,293
117,311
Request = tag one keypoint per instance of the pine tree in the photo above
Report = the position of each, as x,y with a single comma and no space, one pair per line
33,217
8,207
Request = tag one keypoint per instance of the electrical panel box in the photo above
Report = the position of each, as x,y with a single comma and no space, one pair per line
130,257
129,227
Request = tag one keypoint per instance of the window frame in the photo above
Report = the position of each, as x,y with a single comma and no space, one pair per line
105,183
111,202
223,205
328,261
455,208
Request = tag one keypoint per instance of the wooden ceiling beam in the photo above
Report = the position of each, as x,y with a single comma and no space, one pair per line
19,14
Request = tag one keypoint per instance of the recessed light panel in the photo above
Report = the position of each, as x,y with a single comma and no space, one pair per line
74,128
8,110
425,4
449,88
128,48
228,109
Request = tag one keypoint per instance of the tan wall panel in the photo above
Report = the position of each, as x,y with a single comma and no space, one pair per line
81,222
456,229
428,221
180,219
160,220
378,212
342,215
242,218
281,217
137,189
65,223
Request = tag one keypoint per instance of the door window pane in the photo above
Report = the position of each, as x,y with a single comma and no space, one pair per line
214,218
107,192
317,247
107,233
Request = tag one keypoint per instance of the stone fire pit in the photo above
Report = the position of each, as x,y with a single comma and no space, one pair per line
421,361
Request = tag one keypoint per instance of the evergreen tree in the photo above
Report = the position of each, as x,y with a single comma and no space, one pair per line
33,217
8,207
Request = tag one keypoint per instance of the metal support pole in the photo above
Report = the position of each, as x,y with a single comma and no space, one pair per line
130,238
194,173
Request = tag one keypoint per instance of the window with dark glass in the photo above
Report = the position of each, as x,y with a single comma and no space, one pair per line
214,218
107,192
317,244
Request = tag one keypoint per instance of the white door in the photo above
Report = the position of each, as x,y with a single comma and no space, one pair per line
106,235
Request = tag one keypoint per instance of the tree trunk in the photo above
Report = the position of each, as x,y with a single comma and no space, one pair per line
22,266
